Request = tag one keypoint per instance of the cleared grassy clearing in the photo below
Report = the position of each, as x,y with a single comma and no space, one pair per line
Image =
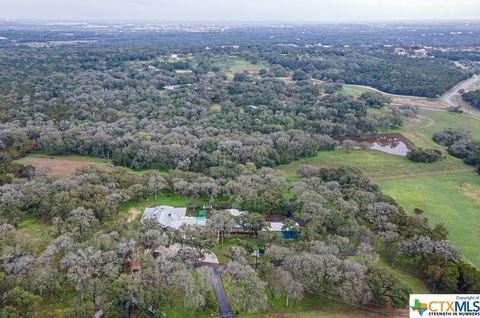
67,165
377,165
63,166
232,65
357,90
240,65
91,159
451,199
354,90
39,234
420,130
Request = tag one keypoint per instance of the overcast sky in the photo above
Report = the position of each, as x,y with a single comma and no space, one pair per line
242,10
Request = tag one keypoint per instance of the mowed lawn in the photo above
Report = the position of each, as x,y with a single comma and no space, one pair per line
451,198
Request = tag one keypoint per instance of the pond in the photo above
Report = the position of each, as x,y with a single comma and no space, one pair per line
395,144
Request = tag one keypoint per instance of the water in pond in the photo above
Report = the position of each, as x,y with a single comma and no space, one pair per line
394,144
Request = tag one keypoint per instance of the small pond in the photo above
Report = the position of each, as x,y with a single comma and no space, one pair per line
394,144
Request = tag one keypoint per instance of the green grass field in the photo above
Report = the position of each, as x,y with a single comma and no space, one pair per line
354,90
377,165
161,199
357,90
421,130
451,199
39,233
239,65
232,65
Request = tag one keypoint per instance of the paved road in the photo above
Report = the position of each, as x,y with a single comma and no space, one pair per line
224,308
448,97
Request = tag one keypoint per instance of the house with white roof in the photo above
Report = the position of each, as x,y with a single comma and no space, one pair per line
172,218
275,226
235,212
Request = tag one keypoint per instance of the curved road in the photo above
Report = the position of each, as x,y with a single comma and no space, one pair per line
454,91
448,97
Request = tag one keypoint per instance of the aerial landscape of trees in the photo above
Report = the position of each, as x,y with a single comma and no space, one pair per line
343,215
185,120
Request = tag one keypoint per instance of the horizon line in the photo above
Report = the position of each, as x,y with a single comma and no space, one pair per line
246,21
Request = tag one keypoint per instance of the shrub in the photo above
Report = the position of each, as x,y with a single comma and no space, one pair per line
424,155
374,99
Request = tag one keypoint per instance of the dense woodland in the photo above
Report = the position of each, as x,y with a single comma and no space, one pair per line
460,144
210,122
143,109
473,98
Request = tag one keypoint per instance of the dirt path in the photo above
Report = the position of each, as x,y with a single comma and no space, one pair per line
430,122
132,214
434,109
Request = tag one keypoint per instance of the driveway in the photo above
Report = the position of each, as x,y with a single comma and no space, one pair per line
224,308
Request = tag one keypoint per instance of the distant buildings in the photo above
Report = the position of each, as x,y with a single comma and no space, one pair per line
401,51
420,53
